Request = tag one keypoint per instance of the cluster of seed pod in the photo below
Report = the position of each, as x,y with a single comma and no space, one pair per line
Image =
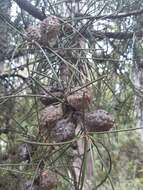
55,121
54,126
60,127
45,33
46,180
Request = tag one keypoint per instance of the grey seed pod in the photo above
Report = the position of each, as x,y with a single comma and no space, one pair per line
63,131
99,121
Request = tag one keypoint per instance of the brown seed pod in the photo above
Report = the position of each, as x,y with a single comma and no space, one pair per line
50,28
67,28
23,152
29,185
63,131
33,34
98,121
47,180
50,115
52,95
79,99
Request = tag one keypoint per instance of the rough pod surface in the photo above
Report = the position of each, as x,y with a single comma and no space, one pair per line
50,115
52,97
63,131
28,185
33,34
48,180
80,99
98,121
50,28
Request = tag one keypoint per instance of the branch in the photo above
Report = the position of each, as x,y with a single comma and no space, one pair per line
31,9
96,34
111,16
18,53
115,35
3,130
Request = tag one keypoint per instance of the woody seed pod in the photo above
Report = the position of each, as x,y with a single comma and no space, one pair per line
63,131
79,99
50,28
52,97
48,180
33,34
29,185
50,115
98,121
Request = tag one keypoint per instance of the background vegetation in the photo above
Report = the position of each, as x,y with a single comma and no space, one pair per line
98,44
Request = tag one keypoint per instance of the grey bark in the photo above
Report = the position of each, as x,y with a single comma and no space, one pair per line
137,73
5,12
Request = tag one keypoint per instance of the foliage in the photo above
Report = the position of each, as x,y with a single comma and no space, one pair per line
84,57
